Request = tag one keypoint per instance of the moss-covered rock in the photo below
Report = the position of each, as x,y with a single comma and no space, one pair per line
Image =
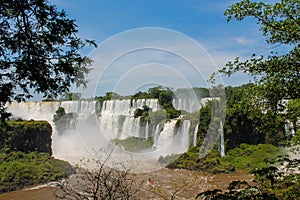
26,136
18,169
134,144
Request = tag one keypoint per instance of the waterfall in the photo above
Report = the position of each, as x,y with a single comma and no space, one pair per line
108,126
113,120
289,128
147,131
33,110
156,137
113,111
221,140
82,108
166,135
120,107
128,106
184,136
191,104
46,110
151,103
195,135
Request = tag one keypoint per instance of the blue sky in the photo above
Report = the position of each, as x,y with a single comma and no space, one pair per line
202,21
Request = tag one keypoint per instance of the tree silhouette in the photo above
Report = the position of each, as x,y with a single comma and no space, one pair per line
39,51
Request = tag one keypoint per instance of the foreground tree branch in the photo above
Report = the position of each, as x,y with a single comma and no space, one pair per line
39,51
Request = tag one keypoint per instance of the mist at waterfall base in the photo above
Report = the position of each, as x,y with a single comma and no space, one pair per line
92,132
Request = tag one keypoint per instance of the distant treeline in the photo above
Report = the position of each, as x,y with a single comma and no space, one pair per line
151,93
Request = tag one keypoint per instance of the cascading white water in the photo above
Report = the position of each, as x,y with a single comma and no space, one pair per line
68,146
131,127
171,139
195,135
184,136
147,130
221,140
82,108
46,110
33,110
289,128
166,135
113,120
190,104
119,107
156,136
151,103
116,117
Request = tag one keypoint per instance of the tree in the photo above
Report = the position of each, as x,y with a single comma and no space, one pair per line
39,51
64,121
97,180
270,183
71,96
277,75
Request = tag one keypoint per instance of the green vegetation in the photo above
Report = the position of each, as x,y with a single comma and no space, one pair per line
244,157
143,114
164,96
71,96
49,61
109,96
252,156
25,155
244,121
271,184
26,136
18,169
277,75
134,144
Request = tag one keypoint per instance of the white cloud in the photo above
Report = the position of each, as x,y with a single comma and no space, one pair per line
164,57
244,41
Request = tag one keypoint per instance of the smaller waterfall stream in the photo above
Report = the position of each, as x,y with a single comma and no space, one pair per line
166,135
156,137
195,135
221,140
184,136
147,131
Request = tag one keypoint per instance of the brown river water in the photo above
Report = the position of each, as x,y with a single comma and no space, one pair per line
190,183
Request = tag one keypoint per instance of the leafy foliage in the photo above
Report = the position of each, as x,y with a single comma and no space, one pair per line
293,113
277,76
71,96
63,120
143,114
271,183
18,169
237,190
39,51
26,136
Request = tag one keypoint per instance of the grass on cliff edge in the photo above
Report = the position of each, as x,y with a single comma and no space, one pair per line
18,169
244,157
134,144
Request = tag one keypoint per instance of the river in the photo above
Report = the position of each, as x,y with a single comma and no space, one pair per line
190,182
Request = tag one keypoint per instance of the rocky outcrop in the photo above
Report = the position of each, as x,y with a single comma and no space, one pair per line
27,136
